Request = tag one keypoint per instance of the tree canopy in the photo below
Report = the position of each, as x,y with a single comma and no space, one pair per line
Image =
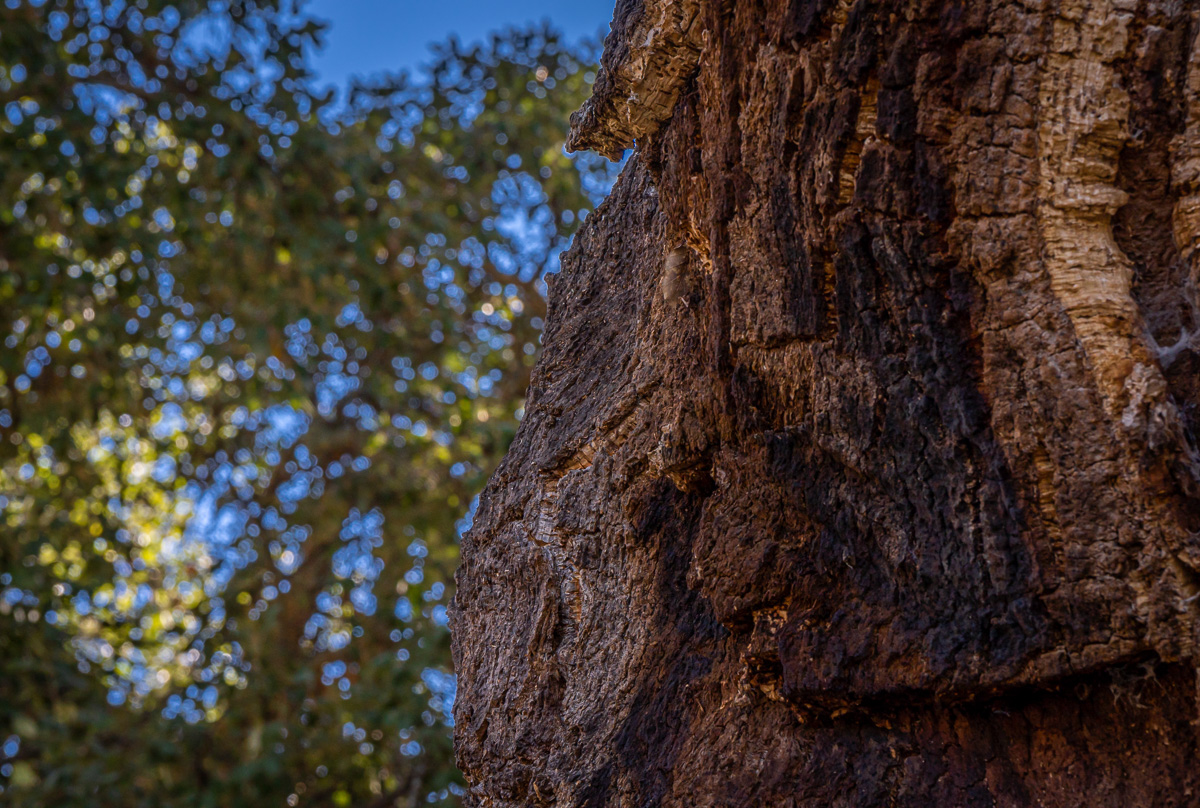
262,346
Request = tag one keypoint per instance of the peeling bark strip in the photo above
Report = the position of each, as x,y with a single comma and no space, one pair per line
860,467
644,67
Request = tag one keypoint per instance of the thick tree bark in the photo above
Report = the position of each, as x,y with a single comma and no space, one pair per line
860,468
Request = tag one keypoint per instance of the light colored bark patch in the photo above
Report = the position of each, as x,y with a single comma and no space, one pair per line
1082,128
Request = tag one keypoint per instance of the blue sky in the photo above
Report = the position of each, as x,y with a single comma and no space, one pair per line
369,36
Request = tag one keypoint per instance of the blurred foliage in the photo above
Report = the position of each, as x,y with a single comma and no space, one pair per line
262,347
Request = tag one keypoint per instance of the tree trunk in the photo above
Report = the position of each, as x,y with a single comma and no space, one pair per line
860,468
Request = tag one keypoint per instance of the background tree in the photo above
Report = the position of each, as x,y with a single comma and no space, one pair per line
261,348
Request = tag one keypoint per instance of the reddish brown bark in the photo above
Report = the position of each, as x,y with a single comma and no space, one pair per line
860,467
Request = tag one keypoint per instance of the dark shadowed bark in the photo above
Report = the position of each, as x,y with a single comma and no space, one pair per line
860,468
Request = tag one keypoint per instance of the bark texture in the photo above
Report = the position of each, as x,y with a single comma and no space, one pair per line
860,467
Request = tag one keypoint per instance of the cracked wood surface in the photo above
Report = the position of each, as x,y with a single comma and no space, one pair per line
860,466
